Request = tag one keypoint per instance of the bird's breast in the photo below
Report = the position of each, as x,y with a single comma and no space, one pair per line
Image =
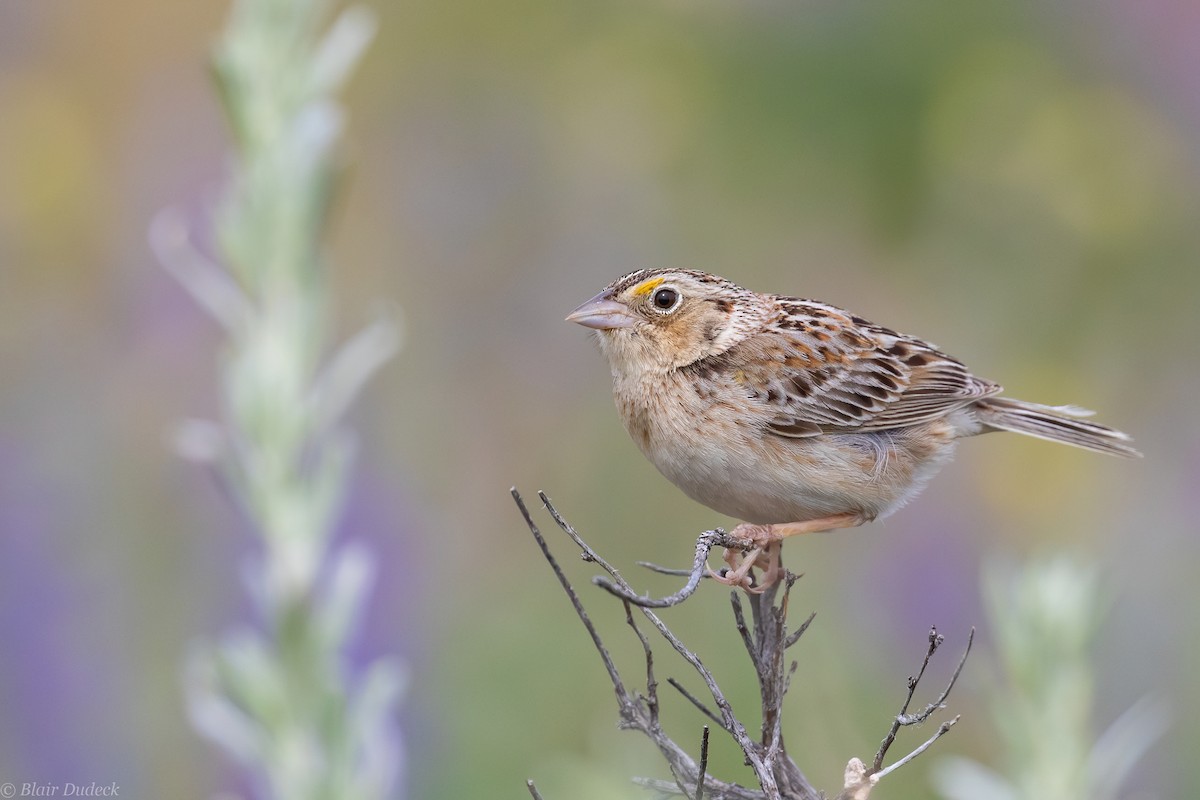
715,446
708,445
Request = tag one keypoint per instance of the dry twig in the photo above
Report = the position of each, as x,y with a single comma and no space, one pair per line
860,779
766,638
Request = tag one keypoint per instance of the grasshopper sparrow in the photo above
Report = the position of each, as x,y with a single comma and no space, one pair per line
790,414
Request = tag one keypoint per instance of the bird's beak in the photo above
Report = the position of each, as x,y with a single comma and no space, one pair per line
603,313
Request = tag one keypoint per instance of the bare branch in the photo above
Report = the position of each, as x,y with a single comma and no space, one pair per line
533,790
739,620
730,721
621,588
904,718
641,713
661,570
941,701
705,710
651,683
763,768
795,635
859,780
935,641
609,666
765,637
704,544
941,731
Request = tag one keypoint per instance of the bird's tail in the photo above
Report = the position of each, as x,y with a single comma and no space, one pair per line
1055,423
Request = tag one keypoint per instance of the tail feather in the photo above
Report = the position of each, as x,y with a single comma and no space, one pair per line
1055,423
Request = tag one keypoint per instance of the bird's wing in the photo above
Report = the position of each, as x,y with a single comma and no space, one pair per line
816,368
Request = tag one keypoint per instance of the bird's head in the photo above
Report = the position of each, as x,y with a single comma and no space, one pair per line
660,320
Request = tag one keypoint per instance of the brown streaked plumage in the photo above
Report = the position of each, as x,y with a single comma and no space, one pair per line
791,414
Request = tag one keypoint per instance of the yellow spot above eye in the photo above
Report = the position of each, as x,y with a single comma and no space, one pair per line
646,287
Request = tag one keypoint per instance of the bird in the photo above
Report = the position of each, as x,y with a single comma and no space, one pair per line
793,415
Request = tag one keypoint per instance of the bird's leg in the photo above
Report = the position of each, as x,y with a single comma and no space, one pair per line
767,541
763,535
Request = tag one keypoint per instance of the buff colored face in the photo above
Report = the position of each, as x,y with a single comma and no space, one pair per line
659,322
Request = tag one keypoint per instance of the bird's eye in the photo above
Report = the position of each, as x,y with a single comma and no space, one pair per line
666,299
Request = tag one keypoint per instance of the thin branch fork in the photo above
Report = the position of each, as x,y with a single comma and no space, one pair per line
766,639
859,779
904,718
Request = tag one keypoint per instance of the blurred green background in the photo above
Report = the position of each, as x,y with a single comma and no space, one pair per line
1016,181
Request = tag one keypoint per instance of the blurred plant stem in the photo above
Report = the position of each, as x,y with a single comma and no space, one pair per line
282,699
1045,617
